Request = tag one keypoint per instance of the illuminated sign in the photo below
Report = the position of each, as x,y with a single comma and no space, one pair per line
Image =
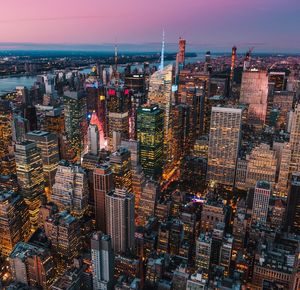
111,92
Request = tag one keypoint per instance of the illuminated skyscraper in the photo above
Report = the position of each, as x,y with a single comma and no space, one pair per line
75,120
120,219
5,128
150,126
63,231
292,221
48,144
121,168
93,139
295,141
103,184
149,197
224,141
32,265
233,59
70,190
102,261
160,93
254,92
260,207
262,165
14,221
30,177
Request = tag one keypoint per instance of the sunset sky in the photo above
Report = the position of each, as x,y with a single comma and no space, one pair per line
269,25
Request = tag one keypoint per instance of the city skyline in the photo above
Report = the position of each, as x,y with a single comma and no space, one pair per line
258,24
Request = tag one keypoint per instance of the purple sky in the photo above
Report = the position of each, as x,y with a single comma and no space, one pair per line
269,25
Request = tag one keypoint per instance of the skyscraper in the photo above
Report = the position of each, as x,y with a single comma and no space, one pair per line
103,184
14,221
120,219
295,140
48,144
30,177
75,120
254,92
5,128
93,139
70,190
102,261
293,206
32,265
262,195
224,141
121,168
160,93
150,126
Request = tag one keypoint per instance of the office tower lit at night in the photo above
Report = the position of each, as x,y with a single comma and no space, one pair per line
262,195
102,261
30,176
223,146
150,126
75,120
103,184
120,219
254,92
70,190
48,144
14,221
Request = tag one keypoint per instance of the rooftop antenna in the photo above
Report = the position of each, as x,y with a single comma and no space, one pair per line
162,52
116,58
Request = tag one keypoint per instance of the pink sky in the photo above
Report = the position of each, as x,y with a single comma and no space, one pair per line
212,22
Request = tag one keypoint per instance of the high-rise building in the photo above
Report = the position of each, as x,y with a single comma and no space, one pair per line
30,177
75,120
103,184
293,205
203,251
149,196
120,219
63,231
93,140
261,200
48,144
233,60
14,221
262,164
295,140
32,265
121,168
224,141
5,128
70,190
160,93
254,92
150,126
102,261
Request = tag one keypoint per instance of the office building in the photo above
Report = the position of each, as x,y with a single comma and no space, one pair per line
32,265
262,165
93,140
75,121
261,200
102,261
203,252
103,184
48,144
120,219
295,140
150,126
63,231
5,128
254,92
70,190
14,221
121,168
30,177
293,205
224,142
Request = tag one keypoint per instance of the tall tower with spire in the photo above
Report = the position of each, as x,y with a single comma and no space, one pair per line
162,57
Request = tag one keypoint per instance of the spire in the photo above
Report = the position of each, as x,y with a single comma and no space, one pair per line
162,52
116,58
